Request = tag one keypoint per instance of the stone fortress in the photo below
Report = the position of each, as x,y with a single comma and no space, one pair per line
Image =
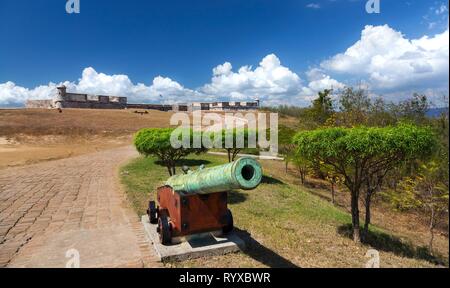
74,100
64,99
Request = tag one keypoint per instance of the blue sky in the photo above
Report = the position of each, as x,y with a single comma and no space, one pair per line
171,48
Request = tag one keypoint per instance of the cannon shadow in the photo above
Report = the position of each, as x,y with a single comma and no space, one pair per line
191,163
262,254
235,197
270,180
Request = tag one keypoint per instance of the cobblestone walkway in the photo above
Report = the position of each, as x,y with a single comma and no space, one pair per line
49,209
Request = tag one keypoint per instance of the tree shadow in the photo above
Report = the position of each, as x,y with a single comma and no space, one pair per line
192,163
270,180
235,197
390,243
262,254
316,185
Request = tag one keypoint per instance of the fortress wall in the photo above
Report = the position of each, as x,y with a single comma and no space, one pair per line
79,101
39,104
76,97
91,105
150,107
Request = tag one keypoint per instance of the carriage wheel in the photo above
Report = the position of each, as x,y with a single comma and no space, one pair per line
152,212
229,222
165,230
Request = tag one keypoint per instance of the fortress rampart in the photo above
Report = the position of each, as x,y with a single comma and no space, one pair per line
75,100
87,101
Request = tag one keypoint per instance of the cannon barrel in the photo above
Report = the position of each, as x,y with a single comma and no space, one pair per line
245,173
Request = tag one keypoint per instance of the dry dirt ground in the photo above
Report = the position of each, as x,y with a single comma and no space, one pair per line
29,136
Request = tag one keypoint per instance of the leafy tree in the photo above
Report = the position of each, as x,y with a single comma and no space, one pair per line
156,142
413,109
302,164
427,192
441,128
238,133
354,108
318,113
380,114
285,146
322,107
333,178
354,104
354,99
361,154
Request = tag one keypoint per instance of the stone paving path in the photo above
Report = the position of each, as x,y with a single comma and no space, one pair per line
48,209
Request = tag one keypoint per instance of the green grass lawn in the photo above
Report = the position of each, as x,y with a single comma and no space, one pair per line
282,223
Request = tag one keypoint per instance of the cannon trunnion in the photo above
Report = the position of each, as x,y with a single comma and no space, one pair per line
197,202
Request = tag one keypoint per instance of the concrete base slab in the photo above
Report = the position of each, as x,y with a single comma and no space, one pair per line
195,246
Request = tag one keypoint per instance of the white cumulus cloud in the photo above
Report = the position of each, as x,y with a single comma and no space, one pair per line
318,80
270,81
14,96
388,60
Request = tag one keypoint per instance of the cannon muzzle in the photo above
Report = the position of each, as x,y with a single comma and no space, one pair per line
245,173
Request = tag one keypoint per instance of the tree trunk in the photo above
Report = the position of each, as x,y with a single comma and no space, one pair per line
235,154
355,217
367,203
229,155
174,171
286,165
430,245
302,175
170,170
332,193
431,228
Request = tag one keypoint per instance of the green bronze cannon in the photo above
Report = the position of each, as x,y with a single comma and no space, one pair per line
196,202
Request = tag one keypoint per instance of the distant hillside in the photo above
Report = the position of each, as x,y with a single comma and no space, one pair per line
436,112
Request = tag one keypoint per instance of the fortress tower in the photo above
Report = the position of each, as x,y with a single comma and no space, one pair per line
60,97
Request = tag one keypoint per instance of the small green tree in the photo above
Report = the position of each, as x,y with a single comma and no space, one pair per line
360,154
322,107
244,134
318,113
380,114
354,99
333,178
354,104
303,165
286,148
157,142
413,109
